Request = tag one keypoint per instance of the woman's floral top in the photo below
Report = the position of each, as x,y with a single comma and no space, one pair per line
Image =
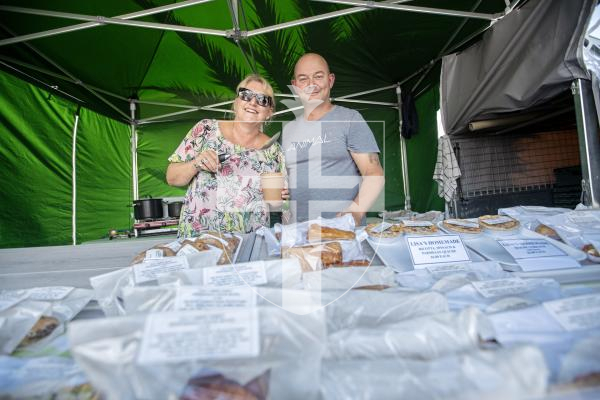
231,199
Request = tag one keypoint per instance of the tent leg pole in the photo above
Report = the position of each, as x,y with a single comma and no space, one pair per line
74,180
134,160
405,184
589,144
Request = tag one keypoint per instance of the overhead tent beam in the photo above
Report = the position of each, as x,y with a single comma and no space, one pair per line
425,10
315,18
116,21
441,52
78,81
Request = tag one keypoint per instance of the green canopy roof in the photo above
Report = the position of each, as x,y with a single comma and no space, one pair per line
369,49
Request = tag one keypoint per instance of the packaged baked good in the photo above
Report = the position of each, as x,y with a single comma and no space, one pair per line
316,256
157,251
320,233
42,328
218,387
547,231
498,223
419,227
226,242
461,225
383,230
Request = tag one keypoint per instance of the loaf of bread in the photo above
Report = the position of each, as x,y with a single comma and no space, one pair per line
226,242
320,233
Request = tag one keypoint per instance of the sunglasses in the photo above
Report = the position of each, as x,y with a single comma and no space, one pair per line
261,99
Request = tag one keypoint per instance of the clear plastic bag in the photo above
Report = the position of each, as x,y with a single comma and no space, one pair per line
452,276
18,321
42,378
285,273
107,287
120,357
426,337
347,278
534,292
502,374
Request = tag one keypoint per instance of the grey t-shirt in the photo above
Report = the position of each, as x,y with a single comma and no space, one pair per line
323,178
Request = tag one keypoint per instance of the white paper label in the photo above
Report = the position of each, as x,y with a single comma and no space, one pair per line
530,248
150,269
235,275
583,218
187,250
547,263
439,271
384,226
153,254
417,223
50,293
498,220
466,224
197,335
501,287
174,245
436,249
198,298
9,298
576,313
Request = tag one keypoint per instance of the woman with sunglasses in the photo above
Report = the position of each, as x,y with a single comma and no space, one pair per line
226,195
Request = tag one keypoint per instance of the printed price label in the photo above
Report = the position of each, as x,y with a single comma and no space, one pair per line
498,220
198,298
153,254
253,274
576,313
9,298
436,250
417,223
537,254
174,245
501,287
149,270
196,335
530,248
187,250
439,271
466,224
384,226
50,293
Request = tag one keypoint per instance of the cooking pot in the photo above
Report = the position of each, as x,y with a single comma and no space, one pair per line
147,209
175,209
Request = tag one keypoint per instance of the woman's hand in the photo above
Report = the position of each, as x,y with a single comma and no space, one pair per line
208,160
285,194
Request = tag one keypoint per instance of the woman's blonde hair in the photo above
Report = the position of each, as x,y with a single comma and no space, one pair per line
268,89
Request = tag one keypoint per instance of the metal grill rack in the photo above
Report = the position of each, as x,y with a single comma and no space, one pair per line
518,168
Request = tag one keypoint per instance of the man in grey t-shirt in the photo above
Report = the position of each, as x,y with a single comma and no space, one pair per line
331,155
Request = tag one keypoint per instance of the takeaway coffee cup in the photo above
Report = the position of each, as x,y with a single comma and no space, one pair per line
272,184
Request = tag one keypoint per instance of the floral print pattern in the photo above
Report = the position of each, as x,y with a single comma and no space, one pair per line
231,199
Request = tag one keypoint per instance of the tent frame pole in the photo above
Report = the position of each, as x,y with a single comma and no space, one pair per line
73,28
403,153
426,10
589,142
134,143
315,18
115,21
64,71
74,180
